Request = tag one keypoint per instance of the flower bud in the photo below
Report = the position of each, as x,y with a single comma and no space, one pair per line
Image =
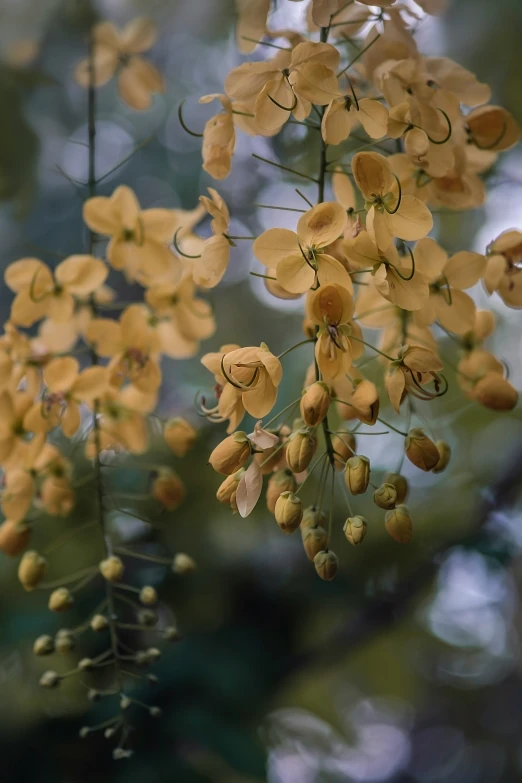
44,645
148,595
153,654
99,622
355,529
444,450
288,512
64,641
400,484
168,489
281,481
420,450
171,633
357,474
315,403
49,679
183,564
312,517
315,539
111,569
147,617
326,563
231,454
155,712
86,664
14,537
180,436
495,392
60,600
385,496
228,486
398,524
31,570
299,451
344,446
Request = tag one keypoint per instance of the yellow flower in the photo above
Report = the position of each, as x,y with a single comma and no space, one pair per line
299,259
331,309
344,113
219,138
503,272
288,84
40,460
119,52
230,404
256,373
122,420
139,238
208,269
492,128
414,368
481,378
389,213
42,292
13,442
447,303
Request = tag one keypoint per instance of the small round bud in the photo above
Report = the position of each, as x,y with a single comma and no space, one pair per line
50,679
183,564
357,474
299,451
44,645
141,658
315,539
345,446
180,436
398,524
281,481
155,712
14,537
315,403
326,563
148,595
231,454
31,570
99,622
312,517
86,664
118,754
152,679
385,496
109,732
444,450
112,569
171,634
168,489
64,641
60,600
420,450
400,484
84,732
355,529
147,617
153,654
288,512
125,703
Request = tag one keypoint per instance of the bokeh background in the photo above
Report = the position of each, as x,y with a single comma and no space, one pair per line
407,668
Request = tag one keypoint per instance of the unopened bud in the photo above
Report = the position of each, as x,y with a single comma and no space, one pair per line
168,489
281,481
86,664
171,634
398,524
355,529
344,446
299,451
444,450
312,517
180,436
99,622
148,595
14,537
109,732
153,654
84,732
228,486
357,474
31,570
326,563
288,512
231,454
495,392
400,484
155,712
315,403
118,754
183,563
44,645
420,450
111,569
315,540
50,679
385,496
64,641
60,600
125,703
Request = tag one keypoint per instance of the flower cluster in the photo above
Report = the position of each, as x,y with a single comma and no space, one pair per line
362,256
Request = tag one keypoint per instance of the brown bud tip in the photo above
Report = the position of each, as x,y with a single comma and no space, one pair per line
357,474
444,450
231,454
398,524
111,569
326,565
420,450
315,403
355,529
400,484
288,512
385,496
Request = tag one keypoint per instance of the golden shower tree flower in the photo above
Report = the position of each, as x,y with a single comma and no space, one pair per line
230,403
481,378
118,53
331,308
139,239
410,373
219,138
344,113
256,373
492,128
42,292
20,483
503,272
390,214
396,278
211,264
427,134
299,258
447,303
288,84
14,443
